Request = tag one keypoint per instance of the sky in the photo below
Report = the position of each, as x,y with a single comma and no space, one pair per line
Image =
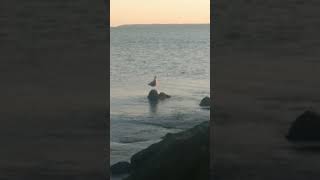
159,12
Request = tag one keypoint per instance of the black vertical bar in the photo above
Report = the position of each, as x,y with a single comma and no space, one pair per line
53,71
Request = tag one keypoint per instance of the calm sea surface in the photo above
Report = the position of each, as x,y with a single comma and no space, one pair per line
179,56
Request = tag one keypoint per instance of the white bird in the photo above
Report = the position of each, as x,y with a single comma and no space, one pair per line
154,82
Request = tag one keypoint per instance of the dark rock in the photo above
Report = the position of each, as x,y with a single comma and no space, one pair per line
179,156
163,96
120,168
305,128
205,102
153,95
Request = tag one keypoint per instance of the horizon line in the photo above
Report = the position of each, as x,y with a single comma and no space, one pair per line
158,24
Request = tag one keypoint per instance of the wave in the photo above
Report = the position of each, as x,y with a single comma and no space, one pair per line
127,140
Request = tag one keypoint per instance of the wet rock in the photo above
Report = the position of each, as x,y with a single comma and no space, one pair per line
154,96
120,168
205,102
163,96
179,156
305,128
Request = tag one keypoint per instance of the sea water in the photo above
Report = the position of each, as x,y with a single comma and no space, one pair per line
179,56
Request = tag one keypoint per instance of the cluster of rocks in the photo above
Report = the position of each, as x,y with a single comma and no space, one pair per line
179,156
183,155
155,96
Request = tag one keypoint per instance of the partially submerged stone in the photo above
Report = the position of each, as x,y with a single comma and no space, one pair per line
305,128
163,96
155,96
205,102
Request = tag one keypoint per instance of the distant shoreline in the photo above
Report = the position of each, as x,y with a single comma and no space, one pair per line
131,25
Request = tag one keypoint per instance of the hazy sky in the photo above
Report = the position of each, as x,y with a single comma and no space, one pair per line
159,12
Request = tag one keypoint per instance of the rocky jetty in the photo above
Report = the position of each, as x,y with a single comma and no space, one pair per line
179,156
305,128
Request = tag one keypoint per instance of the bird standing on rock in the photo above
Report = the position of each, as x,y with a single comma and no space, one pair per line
154,83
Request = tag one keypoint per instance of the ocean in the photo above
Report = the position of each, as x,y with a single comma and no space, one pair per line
179,55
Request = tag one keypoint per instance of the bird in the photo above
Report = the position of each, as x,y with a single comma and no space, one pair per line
154,83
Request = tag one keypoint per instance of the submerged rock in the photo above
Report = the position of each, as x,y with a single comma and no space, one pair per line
305,128
120,168
163,96
179,156
154,96
205,102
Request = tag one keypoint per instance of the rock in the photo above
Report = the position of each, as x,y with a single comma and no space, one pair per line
305,128
120,168
163,96
205,102
154,96
179,156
